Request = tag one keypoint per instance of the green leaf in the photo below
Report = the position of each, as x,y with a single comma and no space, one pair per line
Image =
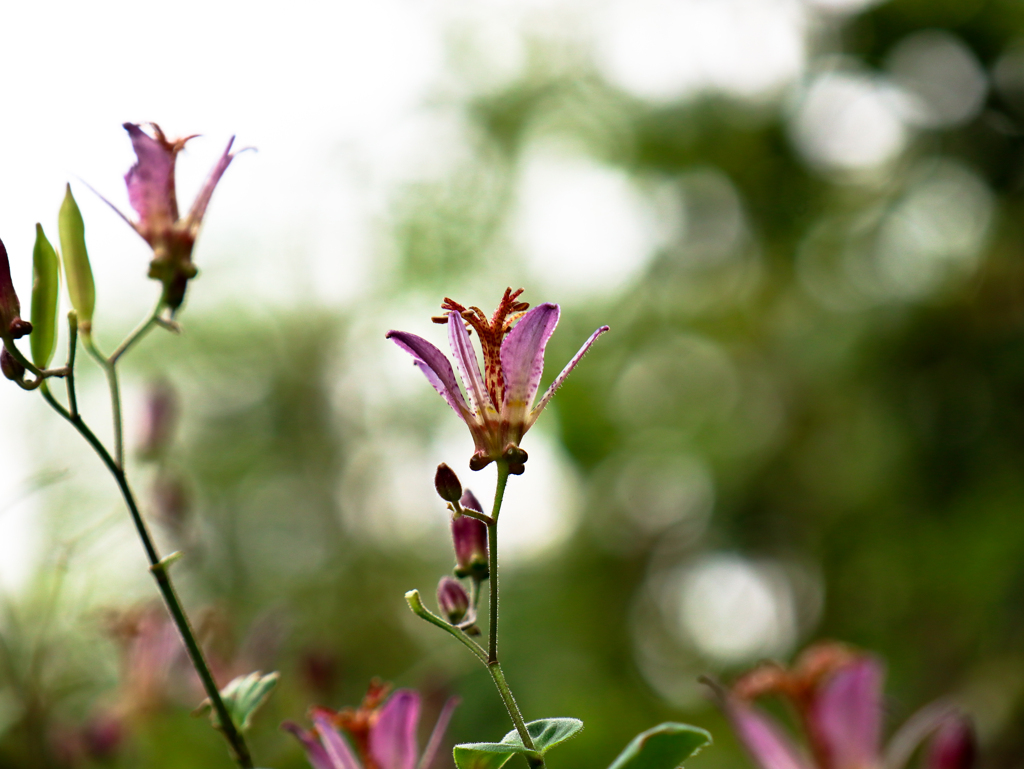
545,733
45,281
665,746
243,697
77,271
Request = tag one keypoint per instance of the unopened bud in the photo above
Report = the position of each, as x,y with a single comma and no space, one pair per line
11,323
953,746
447,483
452,600
11,368
470,539
160,417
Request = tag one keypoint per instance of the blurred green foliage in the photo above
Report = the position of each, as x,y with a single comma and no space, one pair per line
866,443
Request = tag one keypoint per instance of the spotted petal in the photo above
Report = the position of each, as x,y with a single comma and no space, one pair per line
565,373
847,715
195,216
151,180
315,752
334,744
522,359
469,367
435,368
393,736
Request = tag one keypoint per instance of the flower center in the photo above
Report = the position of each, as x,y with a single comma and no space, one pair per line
492,333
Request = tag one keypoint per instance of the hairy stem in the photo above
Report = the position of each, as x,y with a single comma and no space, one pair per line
493,666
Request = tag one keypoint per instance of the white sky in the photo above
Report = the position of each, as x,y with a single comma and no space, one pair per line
335,97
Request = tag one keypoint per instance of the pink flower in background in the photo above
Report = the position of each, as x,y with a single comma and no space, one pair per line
383,735
837,694
152,194
500,403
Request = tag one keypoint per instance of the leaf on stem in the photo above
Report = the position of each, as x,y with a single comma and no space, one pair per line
45,281
665,746
243,696
545,733
77,270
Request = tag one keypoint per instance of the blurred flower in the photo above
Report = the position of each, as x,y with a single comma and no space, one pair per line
837,693
513,363
383,735
151,192
469,536
159,419
11,324
452,600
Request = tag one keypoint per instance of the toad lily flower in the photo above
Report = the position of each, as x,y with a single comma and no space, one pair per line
837,694
500,403
151,192
383,737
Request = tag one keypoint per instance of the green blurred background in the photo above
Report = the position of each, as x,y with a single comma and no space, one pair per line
807,421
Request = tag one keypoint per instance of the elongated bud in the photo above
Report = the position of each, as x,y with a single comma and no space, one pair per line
11,324
954,746
159,420
10,367
470,539
447,483
452,600
45,282
77,270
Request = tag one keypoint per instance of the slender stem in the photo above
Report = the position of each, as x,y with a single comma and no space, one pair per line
72,348
158,567
492,550
140,331
416,604
493,666
110,369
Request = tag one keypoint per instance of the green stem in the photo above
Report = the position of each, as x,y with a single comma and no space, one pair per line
72,348
416,604
141,330
110,369
158,567
493,666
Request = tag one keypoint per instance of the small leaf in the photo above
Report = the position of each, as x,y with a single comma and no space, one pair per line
45,281
545,733
243,696
77,271
665,746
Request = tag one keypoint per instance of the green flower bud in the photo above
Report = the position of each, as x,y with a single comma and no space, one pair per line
77,270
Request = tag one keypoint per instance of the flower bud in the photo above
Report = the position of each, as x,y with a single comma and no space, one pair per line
11,323
953,746
470,539
447,483
452,600
77,270
160,417
10,367
45,282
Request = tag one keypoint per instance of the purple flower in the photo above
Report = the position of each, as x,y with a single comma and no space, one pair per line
452,600
837,694
382,736
500,402
152,194
469,536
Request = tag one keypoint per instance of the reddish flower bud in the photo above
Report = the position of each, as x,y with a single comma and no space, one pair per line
10,366
470,539
447,483
452,600
11,324
953,746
